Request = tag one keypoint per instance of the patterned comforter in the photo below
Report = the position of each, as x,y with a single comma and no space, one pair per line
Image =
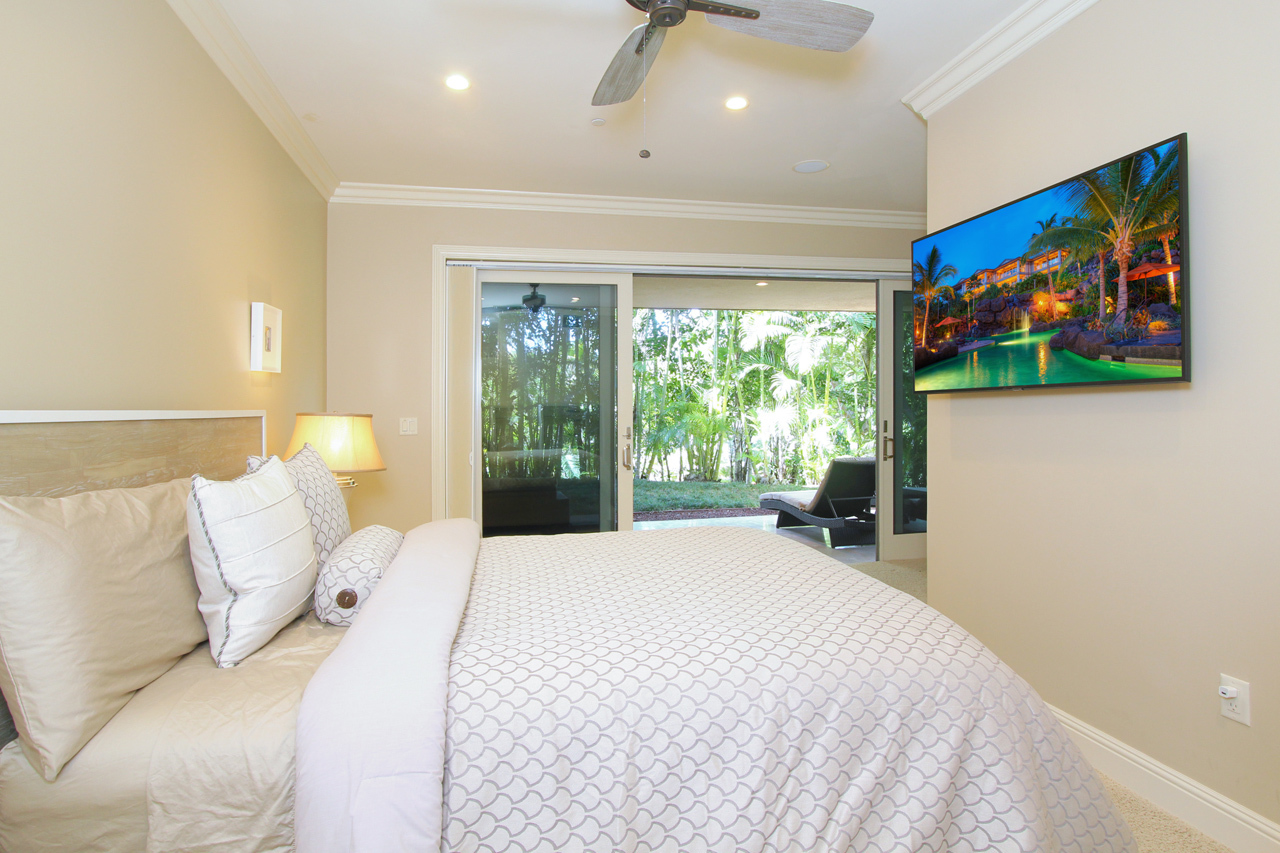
723,689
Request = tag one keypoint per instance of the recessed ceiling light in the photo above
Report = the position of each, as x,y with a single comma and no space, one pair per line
598,122
737,102
807,167
457,82
575,299
762,284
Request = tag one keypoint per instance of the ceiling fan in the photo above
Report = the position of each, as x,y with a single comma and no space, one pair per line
533,301
817,24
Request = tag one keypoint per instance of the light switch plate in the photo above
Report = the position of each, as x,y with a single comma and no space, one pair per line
408,426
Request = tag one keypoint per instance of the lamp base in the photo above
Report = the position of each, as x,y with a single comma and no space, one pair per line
345,482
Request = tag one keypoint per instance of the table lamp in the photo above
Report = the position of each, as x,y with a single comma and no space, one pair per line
344,441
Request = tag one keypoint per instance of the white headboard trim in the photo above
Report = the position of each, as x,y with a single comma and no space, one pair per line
68,416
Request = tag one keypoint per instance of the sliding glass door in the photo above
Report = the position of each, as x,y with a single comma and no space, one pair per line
555,403
901,496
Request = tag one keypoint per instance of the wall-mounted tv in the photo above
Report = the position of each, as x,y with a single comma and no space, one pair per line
1082,283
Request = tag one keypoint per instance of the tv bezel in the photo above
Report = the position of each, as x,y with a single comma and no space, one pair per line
1184,291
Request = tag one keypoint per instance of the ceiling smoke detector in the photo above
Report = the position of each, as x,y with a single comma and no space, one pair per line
808,167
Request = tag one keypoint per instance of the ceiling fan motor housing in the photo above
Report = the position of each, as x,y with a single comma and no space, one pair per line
667,13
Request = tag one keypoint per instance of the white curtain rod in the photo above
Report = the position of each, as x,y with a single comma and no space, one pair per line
705,272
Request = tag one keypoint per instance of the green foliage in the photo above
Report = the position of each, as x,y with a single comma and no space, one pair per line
1033,282
539,386
991,291
657,495
1081,308
757,396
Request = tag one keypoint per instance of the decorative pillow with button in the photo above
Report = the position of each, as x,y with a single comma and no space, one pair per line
321,496
353,570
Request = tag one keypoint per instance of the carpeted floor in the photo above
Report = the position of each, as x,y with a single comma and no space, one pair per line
1158,831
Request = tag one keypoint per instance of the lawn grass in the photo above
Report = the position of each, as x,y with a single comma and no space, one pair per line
658,496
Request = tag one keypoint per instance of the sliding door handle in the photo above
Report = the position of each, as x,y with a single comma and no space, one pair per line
626,457
888,448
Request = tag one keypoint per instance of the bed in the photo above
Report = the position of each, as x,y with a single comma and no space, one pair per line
201,758
713,689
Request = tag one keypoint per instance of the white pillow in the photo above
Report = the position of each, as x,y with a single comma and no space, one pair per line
353,570
330,523
254,558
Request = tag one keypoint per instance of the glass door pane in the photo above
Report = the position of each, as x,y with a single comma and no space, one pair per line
901,500
910,500
549,407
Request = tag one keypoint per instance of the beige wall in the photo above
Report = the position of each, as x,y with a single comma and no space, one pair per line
380,307
144,206
1118,547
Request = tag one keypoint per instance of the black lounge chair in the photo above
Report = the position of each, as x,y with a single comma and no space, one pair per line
843,503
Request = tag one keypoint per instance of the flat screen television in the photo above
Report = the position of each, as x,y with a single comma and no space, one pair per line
1082,283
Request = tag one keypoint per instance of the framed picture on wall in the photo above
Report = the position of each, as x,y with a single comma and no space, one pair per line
265,337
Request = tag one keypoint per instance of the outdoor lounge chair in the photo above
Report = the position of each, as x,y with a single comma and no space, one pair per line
843,502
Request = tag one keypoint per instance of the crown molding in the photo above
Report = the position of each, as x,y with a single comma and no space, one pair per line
354,193
1028,25
217,34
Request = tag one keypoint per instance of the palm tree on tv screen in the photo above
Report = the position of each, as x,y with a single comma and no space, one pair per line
1115,208
1165,222
1051,274
1081,240
928,278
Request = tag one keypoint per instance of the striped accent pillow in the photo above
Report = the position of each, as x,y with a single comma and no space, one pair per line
254,558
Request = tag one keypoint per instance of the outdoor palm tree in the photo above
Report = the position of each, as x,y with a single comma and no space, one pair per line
1115,208
927,279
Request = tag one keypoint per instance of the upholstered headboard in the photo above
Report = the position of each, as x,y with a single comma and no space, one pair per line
51,454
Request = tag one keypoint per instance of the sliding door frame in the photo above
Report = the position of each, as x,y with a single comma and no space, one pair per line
622,451
455,302
890,545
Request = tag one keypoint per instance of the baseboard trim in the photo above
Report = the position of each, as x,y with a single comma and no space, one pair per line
1222,819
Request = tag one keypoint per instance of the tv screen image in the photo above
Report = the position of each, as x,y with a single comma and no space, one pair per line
1081,283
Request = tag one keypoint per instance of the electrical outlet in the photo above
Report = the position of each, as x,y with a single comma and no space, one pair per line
1234,694
408,426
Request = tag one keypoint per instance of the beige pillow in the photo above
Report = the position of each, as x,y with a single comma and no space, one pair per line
97,600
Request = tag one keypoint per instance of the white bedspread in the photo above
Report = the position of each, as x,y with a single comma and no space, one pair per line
682,690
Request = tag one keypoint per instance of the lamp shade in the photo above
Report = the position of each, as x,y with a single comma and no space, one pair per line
344,441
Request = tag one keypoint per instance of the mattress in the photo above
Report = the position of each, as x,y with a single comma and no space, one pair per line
712,689
200,759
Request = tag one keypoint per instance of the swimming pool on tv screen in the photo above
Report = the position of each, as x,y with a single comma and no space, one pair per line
1021,358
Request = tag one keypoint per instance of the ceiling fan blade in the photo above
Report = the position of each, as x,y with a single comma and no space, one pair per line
627,70
818,24
712,8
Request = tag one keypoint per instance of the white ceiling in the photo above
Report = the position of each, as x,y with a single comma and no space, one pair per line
367,81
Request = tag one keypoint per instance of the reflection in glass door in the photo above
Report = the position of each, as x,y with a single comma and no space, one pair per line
901,499
910,500
549,407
